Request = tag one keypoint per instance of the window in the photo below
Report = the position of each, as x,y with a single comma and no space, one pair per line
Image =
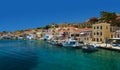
100,39
94,27
85,38
72,34
94,33
97,27
101,27
106,27
111,36
118,35
97,33
100,33
77,35
97,39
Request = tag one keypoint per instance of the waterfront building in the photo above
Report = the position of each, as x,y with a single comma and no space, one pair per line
61,32
2,34
101,32
86,35
6,35
30,36
39,33
75,33
79,34
18,35
117,34
64,32
114,31
47,34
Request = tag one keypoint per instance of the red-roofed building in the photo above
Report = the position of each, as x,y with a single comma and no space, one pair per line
85,35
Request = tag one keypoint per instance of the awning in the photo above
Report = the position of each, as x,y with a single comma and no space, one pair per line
82,33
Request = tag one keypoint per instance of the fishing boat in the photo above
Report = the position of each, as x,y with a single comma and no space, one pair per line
114,42
89,48
54,42
71,43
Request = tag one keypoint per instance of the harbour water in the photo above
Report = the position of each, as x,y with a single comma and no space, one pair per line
39,55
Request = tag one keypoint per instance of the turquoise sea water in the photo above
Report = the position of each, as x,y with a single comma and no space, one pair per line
39,55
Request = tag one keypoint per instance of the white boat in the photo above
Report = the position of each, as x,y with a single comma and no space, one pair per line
53,42
89,48
71,43
115,42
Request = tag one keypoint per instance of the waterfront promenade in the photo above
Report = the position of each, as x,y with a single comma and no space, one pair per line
110,48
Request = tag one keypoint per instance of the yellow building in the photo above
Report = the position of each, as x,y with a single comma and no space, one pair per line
101,32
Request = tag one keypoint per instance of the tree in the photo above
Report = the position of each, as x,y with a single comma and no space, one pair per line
4,31
93,20
56,26
108,17
47,27
76,26
39,27
117,21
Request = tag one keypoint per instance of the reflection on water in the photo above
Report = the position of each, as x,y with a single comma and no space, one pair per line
17,55
38,55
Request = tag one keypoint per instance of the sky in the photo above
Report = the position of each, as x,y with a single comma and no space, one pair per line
25,14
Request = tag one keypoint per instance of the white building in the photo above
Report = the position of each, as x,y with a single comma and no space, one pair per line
117,34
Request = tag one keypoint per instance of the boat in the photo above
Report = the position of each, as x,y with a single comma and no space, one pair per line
89,48
114,42
71,43
53,42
